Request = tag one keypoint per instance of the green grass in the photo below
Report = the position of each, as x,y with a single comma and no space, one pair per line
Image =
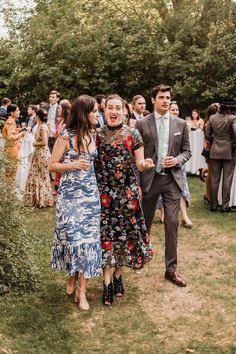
154,317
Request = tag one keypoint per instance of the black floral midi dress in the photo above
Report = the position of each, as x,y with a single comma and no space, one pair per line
123,231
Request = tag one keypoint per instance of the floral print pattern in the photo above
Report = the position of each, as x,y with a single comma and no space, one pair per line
38,188
123,230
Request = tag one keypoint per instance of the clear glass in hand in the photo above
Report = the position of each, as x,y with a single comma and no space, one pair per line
163,171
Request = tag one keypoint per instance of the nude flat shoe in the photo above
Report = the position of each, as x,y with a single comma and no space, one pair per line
189,225
70,289
84,306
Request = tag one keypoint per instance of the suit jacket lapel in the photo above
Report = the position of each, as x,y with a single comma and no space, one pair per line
153,130
172,129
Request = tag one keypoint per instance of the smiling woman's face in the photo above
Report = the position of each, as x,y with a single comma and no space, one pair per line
114,112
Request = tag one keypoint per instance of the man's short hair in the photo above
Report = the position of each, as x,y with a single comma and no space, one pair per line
44,105
33,107
162,88
99,98
136,98
5,101
54,92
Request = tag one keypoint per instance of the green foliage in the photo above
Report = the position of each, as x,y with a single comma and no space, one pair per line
122,46
18,268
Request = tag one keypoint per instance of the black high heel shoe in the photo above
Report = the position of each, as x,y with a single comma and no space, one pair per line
107,294
206,200
118,287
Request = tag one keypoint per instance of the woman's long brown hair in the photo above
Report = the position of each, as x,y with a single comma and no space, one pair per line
78,119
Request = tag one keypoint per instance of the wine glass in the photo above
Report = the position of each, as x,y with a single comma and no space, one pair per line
85,156
163,171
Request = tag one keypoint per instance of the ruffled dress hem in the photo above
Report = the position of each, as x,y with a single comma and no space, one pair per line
85,259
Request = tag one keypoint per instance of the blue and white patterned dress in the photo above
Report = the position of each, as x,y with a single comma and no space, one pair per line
76,245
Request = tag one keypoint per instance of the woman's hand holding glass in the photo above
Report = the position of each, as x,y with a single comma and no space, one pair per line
80,164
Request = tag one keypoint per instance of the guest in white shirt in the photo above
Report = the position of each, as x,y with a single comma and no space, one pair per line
54,98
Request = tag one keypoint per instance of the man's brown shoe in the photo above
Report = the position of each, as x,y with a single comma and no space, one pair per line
175,278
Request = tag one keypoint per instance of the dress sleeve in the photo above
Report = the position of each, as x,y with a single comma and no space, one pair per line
137,139
11,133
64,134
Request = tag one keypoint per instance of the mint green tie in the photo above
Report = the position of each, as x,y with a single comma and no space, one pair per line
161,139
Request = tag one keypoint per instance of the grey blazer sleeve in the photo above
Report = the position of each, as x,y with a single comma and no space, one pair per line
208,135
185,152
138,127
234,127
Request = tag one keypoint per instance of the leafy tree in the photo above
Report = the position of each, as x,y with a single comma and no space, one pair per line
124,46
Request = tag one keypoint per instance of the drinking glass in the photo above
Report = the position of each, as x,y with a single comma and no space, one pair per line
163,171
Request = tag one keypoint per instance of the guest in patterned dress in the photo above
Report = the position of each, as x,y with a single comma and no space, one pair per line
38,188
185,197
12,138
77,245
123,230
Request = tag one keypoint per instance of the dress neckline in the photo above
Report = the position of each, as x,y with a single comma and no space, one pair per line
116,127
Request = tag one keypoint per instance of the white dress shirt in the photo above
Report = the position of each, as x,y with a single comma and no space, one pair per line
52,118
137,116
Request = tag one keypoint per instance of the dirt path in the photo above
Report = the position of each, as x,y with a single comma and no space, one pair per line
204,311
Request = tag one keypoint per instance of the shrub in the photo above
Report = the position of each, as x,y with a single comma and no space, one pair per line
18,267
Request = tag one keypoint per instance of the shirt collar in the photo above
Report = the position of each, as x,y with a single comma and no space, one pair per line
137,116
166,115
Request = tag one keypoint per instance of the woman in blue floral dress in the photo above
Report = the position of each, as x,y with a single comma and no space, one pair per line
123,230
77,246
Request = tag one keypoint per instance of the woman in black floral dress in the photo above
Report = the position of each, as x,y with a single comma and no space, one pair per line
123,230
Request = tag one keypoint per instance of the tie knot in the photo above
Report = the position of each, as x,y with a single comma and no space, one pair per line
162,119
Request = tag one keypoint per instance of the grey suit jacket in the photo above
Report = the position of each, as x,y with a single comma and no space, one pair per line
220,133
178,147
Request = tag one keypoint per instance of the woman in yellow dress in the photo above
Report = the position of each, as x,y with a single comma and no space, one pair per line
12,138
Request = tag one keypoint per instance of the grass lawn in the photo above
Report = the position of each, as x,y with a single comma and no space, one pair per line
154,317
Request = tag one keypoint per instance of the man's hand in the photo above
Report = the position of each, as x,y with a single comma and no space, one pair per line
170,161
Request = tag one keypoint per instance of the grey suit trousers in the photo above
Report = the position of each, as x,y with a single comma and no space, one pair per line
227,166
171,194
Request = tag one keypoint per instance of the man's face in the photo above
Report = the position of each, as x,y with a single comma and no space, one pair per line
161,102
139,106
53,98
101,106
17,113
29,111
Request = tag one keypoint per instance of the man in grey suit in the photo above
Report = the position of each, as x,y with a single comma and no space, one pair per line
166,142
220,134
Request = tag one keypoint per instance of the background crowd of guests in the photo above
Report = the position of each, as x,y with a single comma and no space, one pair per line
112,164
